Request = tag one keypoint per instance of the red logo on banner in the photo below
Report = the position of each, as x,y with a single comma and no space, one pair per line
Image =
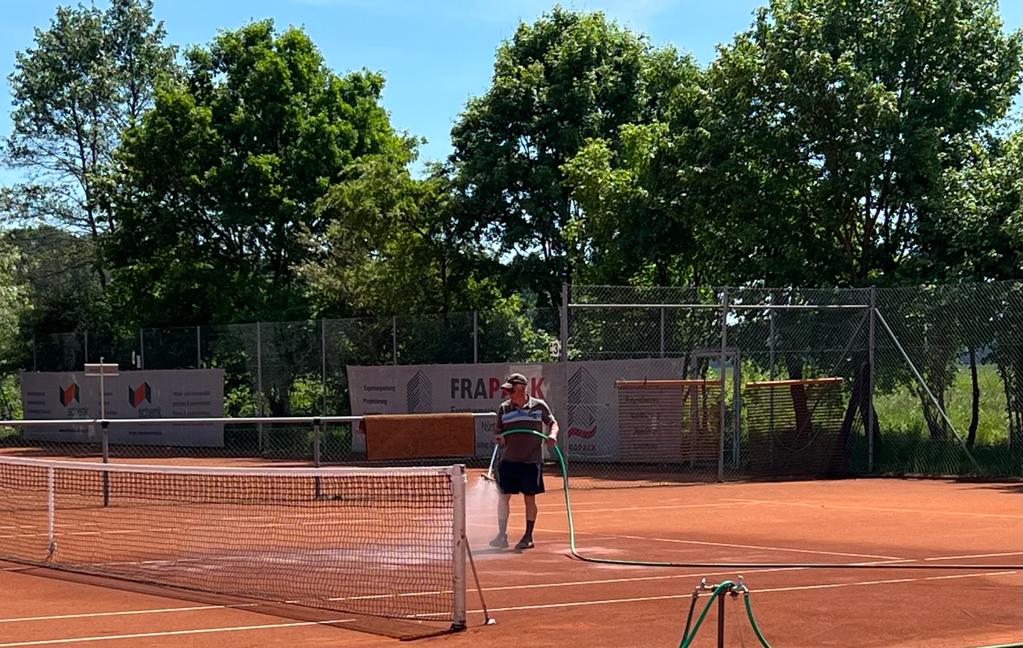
583,433
536,388
139,394
69,394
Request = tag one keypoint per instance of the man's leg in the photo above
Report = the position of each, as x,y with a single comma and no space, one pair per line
503,510
527,539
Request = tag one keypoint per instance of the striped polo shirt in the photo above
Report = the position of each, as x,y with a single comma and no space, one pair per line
532,415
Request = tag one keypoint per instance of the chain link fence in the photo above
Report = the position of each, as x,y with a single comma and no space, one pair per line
687,384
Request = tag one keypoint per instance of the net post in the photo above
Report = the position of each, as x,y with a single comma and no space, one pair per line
51,544
105,427
316,453
458,537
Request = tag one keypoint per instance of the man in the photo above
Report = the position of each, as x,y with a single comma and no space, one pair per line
521,467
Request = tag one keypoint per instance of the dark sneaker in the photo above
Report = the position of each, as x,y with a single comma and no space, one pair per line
500,541
525,543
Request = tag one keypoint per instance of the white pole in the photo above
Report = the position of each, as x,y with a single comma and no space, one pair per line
51,507
102,392
458,544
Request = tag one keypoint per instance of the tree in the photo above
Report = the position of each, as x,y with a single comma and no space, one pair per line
566,78
394,245
13,305
89,76
834,122
636,224
974,233
220,178
55,267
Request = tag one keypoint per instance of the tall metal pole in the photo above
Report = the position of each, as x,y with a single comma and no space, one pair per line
721,406
259,378
475,337
102,392
870,380
770,345
663,311
323,364
564,322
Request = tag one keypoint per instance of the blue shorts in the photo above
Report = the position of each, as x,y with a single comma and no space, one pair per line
514,477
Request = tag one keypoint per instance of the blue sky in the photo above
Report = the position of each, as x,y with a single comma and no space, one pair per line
433,55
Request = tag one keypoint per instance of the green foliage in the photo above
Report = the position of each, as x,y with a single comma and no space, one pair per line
832,125
13,303
564,79
220,178
976,233
87,77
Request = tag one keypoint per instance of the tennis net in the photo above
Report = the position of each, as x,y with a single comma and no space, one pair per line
384,542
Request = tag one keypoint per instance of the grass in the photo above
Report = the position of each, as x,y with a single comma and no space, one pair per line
900,412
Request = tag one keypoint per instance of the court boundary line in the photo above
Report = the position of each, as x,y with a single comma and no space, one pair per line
641,599
89,615
876,509
171,633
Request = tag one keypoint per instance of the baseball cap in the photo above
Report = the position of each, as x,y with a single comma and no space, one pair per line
514,379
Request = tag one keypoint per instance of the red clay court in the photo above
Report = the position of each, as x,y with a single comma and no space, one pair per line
545,597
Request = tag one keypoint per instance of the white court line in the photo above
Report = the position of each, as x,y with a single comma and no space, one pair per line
669,507
585,583
988,555
880,509
637,579
729,545
666,597
89,615
171,633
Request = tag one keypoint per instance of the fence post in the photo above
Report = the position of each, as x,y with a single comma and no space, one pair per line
394,339
564,323
663,310
87,346
35,360
475,337
770,346
323,365
870,380
721,405
736,408
198,347
259,378
142,349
